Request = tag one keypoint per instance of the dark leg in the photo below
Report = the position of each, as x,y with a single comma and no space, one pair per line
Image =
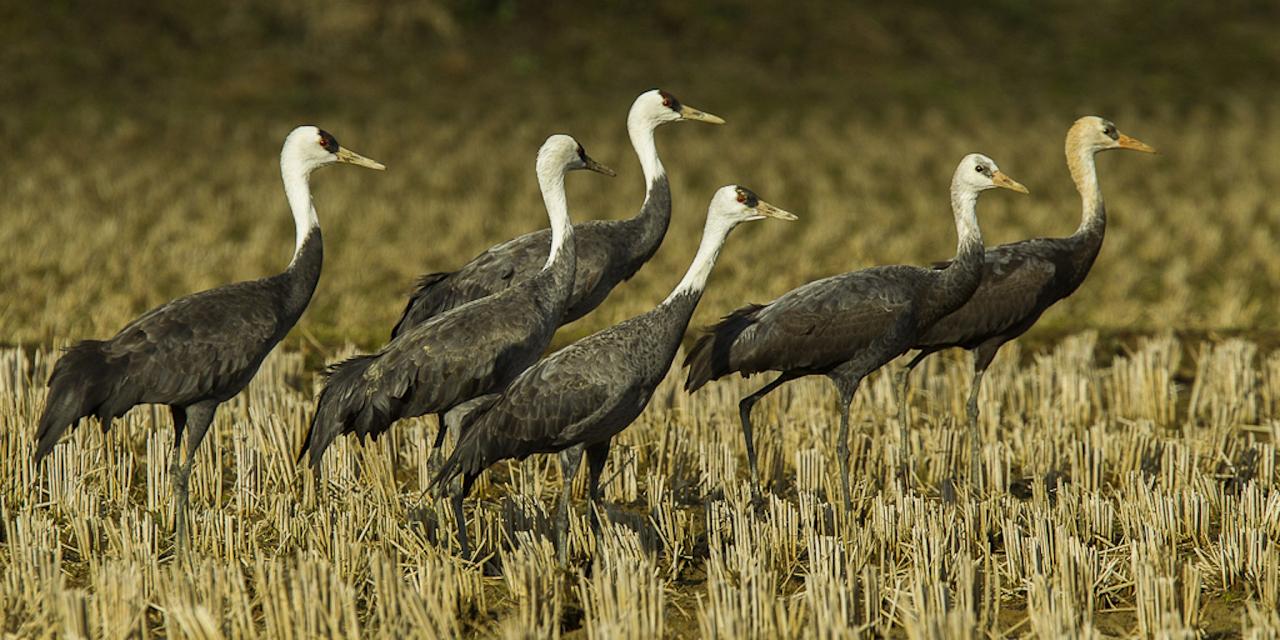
459,517
744,412
904,450
199,418
179,424
904,375
570,459
846,389
904,441
441,430
175,456
596,456
982,357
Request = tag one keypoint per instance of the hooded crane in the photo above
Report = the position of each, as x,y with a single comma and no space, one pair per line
609,251
582,396
200,350
472,350
846,326
1022,279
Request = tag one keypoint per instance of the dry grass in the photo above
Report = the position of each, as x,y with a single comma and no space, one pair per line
1159,517
90,242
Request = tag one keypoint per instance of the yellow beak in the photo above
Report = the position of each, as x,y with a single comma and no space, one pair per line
1125,142
592,165
765,209
689,113
1006,182
346,155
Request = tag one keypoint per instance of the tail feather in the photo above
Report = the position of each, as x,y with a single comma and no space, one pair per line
347,405
422,304
473,453
81,383
709,358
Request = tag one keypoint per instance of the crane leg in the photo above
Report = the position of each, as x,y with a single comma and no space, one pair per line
846,389
982,357
441,430
975,469
199,417
459,517
597,454
744,413
904,442
570,459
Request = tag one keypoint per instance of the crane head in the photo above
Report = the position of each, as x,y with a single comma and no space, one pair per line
656,107
313,147
1099,134
561,154
979,173
734,203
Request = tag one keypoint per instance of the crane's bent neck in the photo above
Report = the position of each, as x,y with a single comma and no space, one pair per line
648,227
640,129
552,186
955,284
964,206
695,279
1084,172
297,188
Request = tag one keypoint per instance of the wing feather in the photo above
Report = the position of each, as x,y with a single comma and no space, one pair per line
1017,282
201,345
827,321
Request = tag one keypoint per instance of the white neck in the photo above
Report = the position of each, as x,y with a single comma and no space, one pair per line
713,236
964,206
552,185
640,129
1084,172
297,188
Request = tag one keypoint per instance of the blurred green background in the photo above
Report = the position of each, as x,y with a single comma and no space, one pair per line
141,141
442,58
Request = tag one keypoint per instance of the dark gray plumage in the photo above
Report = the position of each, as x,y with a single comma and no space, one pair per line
1023,279
472,350
846,326
200,350
579,398
609,251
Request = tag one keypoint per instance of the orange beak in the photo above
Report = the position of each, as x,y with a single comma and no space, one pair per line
1126,142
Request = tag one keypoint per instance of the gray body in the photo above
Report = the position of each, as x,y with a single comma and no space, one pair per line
843,327
1020,281
609,252
574,401
192,354
475,349
861,319
584,394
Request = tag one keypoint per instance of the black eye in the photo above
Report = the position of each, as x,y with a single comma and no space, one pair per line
328,142
980,169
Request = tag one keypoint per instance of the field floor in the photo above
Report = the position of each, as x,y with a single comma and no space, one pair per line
1124,491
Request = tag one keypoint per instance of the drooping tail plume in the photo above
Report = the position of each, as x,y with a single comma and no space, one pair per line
472,454
709,358
348,405
81,383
